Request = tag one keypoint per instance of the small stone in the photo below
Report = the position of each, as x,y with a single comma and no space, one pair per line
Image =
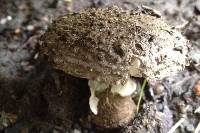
36,55
76,131
30,27
3,21
196,89
159,89
9,18
17,31
45,18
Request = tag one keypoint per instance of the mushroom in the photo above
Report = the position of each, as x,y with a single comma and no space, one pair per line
109,47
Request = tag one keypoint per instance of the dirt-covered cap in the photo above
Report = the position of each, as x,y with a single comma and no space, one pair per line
110,44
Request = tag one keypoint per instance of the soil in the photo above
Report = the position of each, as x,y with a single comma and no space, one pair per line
35,97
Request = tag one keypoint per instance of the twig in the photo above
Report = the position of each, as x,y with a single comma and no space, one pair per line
176,125
197,110
183,27
197,130
180,121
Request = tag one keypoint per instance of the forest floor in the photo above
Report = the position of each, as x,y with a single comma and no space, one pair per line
34,97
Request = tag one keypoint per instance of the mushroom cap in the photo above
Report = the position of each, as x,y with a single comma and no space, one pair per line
110,44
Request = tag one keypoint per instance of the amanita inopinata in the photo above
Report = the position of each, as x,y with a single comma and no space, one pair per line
109,46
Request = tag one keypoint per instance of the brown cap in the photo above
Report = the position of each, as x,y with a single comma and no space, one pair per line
110,44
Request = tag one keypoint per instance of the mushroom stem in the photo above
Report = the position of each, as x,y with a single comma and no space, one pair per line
98,87
112,105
